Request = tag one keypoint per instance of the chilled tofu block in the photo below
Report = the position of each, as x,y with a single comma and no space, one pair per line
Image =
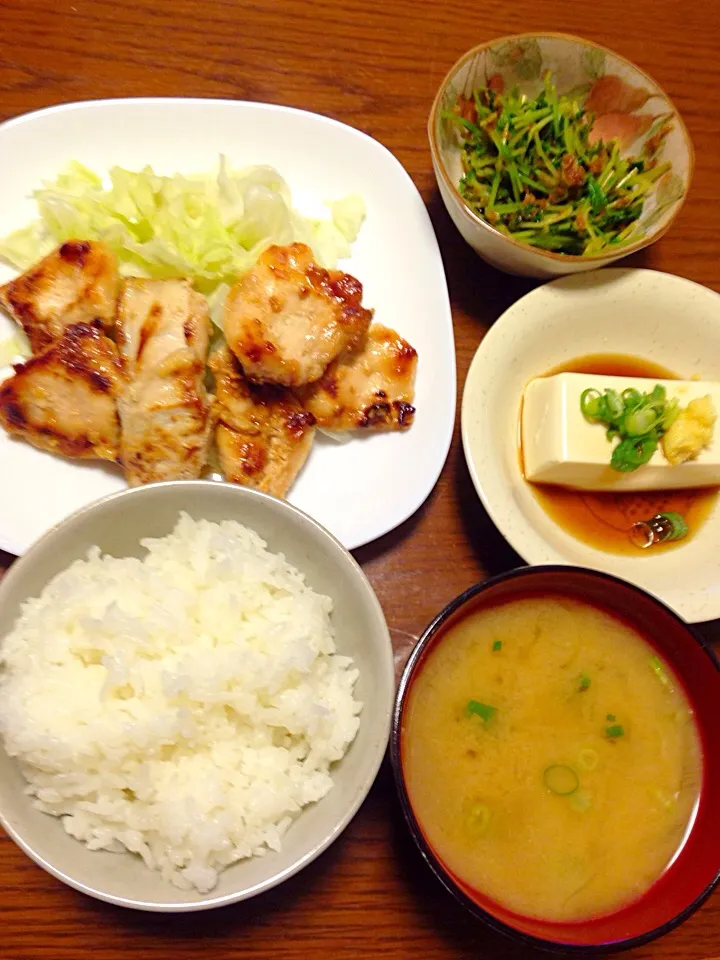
561,447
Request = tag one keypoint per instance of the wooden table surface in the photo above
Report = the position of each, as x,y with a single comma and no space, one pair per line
374,65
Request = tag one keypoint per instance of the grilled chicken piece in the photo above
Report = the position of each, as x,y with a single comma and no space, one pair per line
64,400
372,386
264,434
165,410
288,318
77,283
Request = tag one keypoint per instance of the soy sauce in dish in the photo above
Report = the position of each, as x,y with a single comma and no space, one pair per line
603,520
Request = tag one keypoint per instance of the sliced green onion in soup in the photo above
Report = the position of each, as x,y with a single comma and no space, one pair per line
614,731
658,669
561,779
483,710
477,818
581,801
665,799
588,758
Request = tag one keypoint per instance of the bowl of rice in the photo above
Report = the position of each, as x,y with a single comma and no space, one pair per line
196,684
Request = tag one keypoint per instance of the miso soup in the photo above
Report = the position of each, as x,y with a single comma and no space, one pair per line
551,758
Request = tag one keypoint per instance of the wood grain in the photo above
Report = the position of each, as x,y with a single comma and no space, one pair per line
374,65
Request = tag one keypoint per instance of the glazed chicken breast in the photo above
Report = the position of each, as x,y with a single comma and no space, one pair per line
263,434
287,318
370,387
165,410
64,400
77,283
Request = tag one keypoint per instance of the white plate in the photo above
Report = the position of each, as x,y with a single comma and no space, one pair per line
358,490
662,318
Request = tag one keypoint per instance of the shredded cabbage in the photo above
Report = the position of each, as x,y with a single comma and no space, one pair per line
209,228
339,436
14,349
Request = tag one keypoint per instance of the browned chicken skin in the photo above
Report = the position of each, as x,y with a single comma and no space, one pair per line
371,387
288,318
264,435
288,323
64,400
77,283
165,410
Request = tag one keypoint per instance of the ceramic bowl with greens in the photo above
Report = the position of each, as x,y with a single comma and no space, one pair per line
554,155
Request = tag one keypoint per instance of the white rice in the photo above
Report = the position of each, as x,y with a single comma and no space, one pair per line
185,706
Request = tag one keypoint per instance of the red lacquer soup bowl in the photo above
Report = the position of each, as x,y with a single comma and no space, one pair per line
695,869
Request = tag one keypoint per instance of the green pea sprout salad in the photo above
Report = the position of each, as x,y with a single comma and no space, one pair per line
639,420
532,169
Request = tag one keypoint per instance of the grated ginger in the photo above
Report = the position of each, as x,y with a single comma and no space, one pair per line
690,432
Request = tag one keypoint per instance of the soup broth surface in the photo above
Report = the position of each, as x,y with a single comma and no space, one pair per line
551,759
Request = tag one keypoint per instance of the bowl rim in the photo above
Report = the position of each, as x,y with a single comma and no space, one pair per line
550,255
331,831
505,520
428,854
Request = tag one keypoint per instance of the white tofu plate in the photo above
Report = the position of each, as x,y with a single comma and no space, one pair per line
643,313
358,490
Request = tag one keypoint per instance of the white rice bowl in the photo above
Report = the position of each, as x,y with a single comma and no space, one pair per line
184,706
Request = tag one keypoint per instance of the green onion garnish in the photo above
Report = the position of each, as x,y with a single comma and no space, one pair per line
658,529
588,758
610,717
478,818
614,731
483,710
678,528
637,419
656,665
497,645
583,682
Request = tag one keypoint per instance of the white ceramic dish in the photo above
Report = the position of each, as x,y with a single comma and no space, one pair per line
653,315
358,490
116,524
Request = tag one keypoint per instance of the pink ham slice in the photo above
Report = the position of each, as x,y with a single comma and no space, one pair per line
623,127
610,94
